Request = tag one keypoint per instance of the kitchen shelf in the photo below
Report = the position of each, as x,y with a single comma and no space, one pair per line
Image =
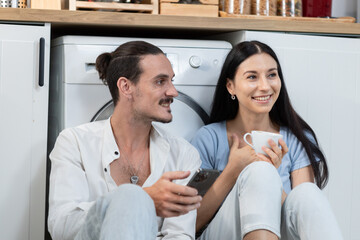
71,22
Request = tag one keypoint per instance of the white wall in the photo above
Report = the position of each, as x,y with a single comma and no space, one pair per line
341,8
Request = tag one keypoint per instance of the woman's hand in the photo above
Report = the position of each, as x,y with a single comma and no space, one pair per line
240,157
275,153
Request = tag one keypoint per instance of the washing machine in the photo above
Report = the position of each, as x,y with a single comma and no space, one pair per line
77,95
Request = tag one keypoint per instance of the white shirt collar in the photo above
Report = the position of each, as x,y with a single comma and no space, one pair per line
110,150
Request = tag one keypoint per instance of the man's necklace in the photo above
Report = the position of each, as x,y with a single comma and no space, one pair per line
134,178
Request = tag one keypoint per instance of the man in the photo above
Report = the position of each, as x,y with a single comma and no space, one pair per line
97,168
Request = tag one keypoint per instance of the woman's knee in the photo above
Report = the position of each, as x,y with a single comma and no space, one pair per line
305,190
306,196
260,173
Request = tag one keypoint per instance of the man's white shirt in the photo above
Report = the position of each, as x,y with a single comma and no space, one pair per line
80,174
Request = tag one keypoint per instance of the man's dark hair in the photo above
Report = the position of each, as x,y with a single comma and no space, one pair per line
123,62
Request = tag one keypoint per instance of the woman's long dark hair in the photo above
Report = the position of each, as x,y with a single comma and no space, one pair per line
282,113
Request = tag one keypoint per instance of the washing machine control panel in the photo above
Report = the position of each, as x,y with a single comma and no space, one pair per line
195,66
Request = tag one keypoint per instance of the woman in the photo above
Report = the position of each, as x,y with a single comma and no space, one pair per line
258,196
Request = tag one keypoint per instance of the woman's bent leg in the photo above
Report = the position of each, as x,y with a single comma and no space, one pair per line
127,213
307,215
254,203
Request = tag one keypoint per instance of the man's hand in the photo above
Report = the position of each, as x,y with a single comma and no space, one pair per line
172,199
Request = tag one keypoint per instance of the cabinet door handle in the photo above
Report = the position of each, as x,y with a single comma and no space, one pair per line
41,61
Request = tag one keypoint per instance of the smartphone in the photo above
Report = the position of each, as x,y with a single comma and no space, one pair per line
203,179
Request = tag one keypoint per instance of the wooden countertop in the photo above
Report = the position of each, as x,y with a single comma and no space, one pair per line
63,20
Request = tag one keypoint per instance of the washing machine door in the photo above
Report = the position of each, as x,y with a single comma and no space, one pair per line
188,116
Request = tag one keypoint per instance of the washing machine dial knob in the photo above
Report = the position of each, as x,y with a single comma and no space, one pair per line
195,61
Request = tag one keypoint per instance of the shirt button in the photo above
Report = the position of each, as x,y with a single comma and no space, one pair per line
105,169
116,153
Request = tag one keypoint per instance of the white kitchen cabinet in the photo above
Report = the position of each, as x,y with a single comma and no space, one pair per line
24,81
322,75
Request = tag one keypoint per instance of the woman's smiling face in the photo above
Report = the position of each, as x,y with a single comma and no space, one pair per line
256,84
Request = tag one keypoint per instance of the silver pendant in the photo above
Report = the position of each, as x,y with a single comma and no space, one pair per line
134,179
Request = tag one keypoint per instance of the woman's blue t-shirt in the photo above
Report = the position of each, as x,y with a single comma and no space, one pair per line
212,143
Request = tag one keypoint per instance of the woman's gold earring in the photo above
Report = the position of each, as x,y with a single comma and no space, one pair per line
233,97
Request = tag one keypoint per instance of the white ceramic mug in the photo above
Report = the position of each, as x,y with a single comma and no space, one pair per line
260,138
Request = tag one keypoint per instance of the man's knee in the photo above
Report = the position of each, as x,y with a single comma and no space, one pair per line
131,196
125,198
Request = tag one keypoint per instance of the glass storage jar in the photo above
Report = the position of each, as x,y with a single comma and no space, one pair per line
289,8
264,7
237,6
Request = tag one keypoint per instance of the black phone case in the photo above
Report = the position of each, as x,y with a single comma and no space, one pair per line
203,179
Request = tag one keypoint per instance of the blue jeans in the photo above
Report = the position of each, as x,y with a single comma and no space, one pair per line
255,203
127,213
